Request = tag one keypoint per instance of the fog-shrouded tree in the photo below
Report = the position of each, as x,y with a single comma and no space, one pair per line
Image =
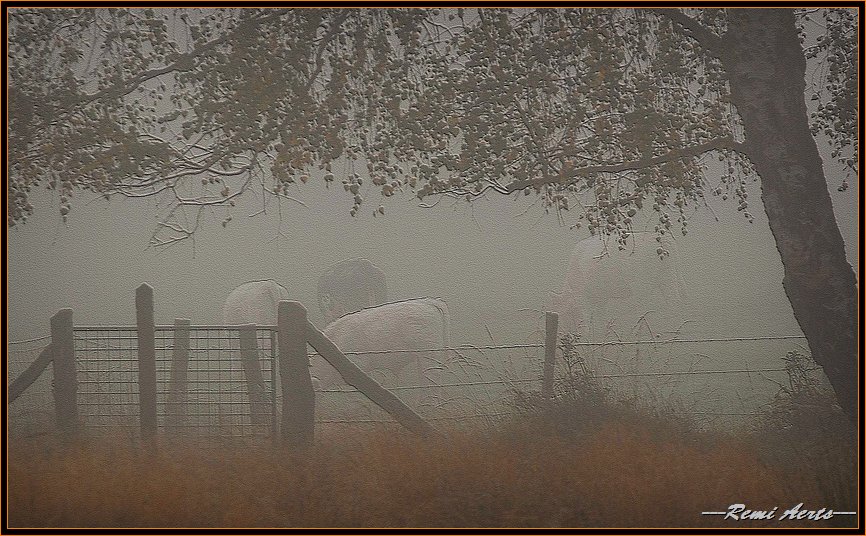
600,113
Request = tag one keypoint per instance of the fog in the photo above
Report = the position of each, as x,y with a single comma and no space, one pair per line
494,262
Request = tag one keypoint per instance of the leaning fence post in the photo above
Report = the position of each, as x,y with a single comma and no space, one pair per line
177,387
551,326
65,379
298,395
255,381
146,360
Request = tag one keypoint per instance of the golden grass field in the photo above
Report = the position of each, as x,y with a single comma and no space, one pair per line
618,472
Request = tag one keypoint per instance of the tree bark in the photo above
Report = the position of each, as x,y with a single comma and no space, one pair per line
766,66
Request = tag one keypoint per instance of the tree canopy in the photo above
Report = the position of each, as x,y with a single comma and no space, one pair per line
603,111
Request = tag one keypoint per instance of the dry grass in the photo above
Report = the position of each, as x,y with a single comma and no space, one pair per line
583,460
622,473
805,428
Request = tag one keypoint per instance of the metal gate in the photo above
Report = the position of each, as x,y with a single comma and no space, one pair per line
215,399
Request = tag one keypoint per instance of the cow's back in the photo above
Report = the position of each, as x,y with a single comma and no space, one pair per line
254,302
410,324
419,325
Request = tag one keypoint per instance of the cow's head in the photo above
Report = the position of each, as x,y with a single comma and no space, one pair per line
350,286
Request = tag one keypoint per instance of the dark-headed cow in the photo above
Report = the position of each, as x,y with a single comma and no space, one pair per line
350,286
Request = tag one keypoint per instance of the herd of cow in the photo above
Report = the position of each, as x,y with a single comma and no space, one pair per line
602,284
353,298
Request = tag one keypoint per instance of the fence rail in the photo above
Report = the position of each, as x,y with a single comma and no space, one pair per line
35,339
443,348
220,378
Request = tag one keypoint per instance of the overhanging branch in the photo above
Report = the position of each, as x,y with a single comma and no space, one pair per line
327,39
694,29
671,156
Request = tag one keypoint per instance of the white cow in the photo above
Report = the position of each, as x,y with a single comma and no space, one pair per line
415,324
633,291
254,302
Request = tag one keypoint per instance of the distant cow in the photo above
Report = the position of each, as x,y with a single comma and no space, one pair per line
416,324
607,287
350,286
254,303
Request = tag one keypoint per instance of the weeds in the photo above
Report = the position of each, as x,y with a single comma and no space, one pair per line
805,431
582,459
619,475
581,403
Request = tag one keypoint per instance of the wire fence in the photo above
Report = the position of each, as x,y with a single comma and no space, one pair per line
584,343
25,341
467,384
216,393
464,346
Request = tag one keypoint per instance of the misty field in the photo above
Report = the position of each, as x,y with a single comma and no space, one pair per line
548,468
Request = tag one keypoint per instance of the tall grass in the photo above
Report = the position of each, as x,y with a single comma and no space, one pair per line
805,430
620,474
580,460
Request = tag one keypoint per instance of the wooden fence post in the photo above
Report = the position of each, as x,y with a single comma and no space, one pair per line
298,396
177,385
259,407
65,377
273,409
146,360
551,325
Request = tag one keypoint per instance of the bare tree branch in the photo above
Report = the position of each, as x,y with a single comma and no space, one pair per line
676,154
184,62
694,29
333,31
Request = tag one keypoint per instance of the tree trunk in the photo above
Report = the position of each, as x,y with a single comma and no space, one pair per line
766,67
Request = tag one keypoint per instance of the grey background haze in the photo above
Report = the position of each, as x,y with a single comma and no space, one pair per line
494,263
491,262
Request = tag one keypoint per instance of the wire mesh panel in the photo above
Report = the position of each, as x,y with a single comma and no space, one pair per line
215,393
107,363
218,400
